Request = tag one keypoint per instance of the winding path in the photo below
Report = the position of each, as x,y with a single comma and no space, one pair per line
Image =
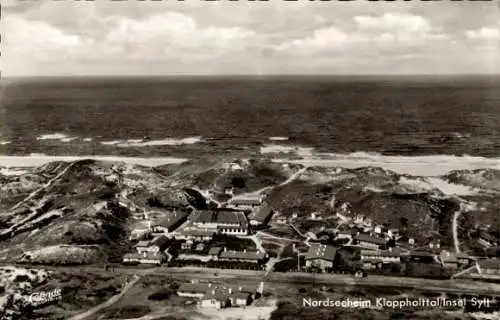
290,179
455,233
45,186
454,221
107,303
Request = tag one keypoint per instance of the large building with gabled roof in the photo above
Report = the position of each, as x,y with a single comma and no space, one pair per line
320,256
222,221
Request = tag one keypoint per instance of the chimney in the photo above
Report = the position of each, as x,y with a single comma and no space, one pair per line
225,249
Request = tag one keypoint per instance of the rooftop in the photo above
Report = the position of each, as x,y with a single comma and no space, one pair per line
419,253
197,232
321,251
370,239
161,242
171,219
193,287
262,214
382,253
225,217
214,251
244,255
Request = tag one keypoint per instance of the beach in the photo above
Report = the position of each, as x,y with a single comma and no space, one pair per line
38,160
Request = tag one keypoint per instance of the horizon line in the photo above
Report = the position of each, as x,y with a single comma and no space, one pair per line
2,77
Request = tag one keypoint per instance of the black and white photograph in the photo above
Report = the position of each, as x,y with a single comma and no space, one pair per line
249,160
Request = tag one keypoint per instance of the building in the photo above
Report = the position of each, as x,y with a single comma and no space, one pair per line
241,298
223,297
214,252
368,241
320,256
257,257
282,220
248,202
139,233
145,257
193,290
454,260
142,246
170,222
422,257
378,229
217,296
486,239
344,234
464,259
199,235
222,221
384,256
261,216
393,233
159,244
229,191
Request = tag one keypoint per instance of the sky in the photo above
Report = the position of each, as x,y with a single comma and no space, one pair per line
277,37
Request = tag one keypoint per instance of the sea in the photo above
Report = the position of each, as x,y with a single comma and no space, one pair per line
382,116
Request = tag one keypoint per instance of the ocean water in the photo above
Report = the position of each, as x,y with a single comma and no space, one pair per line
200,116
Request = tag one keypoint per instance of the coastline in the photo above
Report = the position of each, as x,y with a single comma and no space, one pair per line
38,160
429,166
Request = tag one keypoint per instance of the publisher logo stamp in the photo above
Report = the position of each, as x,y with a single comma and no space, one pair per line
43,297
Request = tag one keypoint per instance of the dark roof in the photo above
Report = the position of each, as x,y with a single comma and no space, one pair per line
419,253
217,293
370,239
247,255
451,257
193,288
172,219
214,251
241,294
321,251
197,233
383,253
161,242
262,214
487,236
372,260
224,217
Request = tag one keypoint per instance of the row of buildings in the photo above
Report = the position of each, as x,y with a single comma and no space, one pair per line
155,252
324,256
218,295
